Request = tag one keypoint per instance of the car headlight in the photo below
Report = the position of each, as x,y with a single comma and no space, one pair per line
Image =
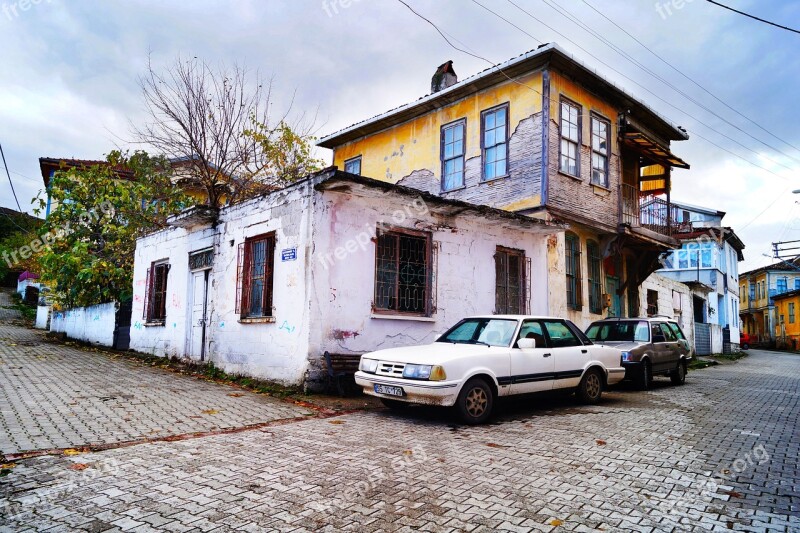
370,366
626,356
429,372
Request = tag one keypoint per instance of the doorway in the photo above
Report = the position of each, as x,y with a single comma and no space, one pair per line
612,289
198,314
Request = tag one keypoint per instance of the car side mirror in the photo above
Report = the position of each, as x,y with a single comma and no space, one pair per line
526,344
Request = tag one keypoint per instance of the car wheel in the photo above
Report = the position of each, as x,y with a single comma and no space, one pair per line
475,402
678,376
395,404
645,379
590,388
745,346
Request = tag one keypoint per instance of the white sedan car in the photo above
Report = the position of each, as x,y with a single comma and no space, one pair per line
484,357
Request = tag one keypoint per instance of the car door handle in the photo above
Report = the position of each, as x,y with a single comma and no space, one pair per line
547,355
584,351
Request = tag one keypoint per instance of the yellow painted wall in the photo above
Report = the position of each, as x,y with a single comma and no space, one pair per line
782,308
394,153
560,85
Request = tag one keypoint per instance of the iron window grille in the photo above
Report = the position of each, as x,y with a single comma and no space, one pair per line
494,142
600,144
572,250
512,272
595,284
452,154
200,260
254,287
569,148
353,166
155,304
403,273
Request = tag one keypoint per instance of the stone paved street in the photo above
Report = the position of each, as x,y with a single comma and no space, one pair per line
54,396
718,454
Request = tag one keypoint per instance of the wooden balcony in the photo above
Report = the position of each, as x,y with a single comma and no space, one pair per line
647,212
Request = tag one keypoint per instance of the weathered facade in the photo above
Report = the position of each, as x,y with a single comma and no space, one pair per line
336,263
759,288
546,137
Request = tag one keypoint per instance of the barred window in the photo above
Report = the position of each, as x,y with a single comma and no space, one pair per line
569,160
595,283
572,251
494,141
600,143
155,306
403,273
510,282
452,154
255,284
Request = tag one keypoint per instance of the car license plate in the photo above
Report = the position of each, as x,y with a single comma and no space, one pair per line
391,391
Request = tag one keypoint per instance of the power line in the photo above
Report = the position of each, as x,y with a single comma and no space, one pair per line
665,100
679,71
787,28
9,178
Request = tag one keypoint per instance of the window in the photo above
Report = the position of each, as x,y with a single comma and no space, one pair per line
600,129
491,331
797,284
494,139
569,156
668,333
595,284
453,155
652,302
532,329
560,335
155,305
783,285
510,282
752,292
791,312
353,166
256,268
572,250
402,273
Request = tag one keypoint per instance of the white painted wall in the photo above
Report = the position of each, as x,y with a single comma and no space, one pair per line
42,316
317,308
93,324
674,301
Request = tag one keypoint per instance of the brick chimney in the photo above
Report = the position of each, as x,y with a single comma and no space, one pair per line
445,77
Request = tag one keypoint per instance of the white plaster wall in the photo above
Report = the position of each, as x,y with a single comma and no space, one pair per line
42,315
274,350
665,287
93,324
343,292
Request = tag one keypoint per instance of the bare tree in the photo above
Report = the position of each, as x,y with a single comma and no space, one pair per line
216,126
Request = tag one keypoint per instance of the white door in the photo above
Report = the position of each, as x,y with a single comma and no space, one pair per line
198,314
532,370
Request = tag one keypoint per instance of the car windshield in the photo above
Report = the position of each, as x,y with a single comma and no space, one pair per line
488,331
619,331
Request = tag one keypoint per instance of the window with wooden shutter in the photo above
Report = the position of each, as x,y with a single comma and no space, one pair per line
510,282
155,309
572,250
256,264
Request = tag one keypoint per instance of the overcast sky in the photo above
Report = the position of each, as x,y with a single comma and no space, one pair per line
69,86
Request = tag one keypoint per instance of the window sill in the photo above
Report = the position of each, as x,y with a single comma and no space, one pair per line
410,318
257,320
445,191
600,188
155,323
496,178
576,178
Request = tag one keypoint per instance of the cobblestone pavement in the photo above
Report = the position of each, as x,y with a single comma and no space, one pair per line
54,396
718,454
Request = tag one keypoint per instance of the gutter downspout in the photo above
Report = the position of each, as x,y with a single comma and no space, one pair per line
545,135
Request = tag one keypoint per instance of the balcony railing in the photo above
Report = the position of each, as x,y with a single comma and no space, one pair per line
647,211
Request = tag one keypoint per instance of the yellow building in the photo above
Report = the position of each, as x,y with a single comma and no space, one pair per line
761,289
787,330
544,136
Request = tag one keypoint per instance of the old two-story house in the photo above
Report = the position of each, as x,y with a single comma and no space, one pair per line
759,289
707,261
533,187
544,136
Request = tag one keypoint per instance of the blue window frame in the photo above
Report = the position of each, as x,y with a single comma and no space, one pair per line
452,154
353,166
783,285
494,142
